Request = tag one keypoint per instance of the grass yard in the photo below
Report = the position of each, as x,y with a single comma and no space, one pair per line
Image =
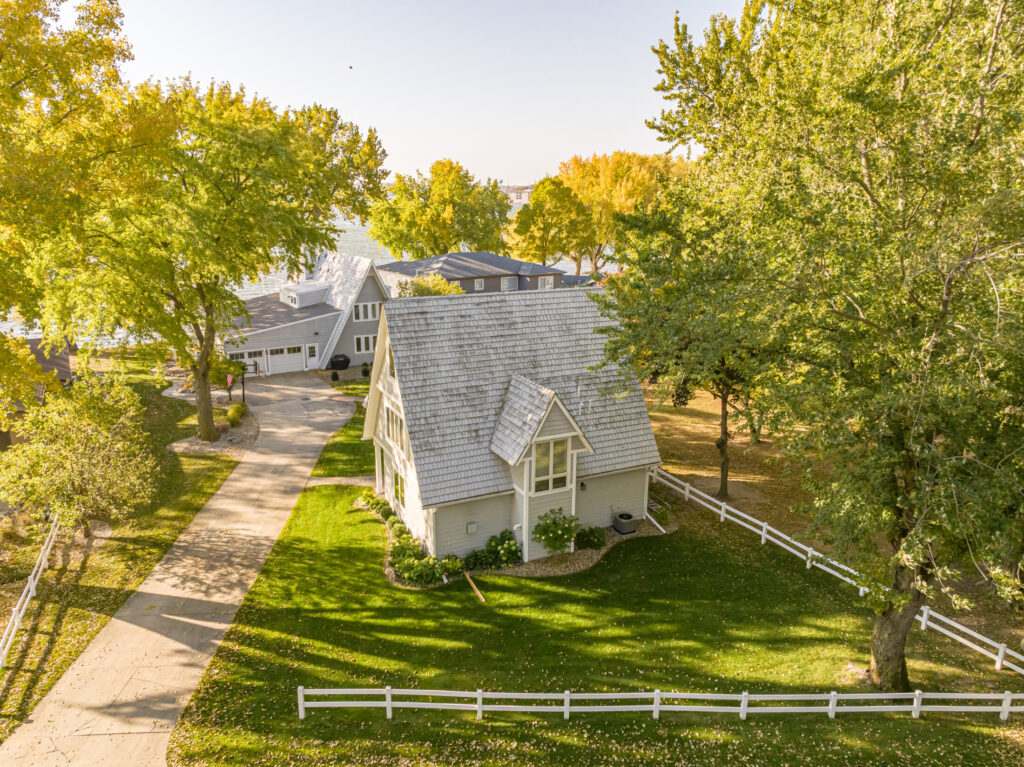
705,609
85,586
346,454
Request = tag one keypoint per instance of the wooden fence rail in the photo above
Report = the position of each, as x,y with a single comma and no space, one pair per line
18,611
657,701
928,618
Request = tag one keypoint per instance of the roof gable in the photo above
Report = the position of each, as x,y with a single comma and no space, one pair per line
456,266
456,357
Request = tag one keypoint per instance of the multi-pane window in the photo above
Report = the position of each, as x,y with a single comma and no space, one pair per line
394,427
276,352
236,356
550,465
399,484
255,354
365,344
546,283
478,284
509,283
311,350
366,312
295,350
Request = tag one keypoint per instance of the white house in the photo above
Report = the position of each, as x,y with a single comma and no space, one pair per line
485,413
301,327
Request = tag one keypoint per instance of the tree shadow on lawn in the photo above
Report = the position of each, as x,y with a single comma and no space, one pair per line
680,612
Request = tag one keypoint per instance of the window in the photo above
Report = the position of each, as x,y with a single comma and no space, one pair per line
236,356
394,428
295,350
275,352
365,344
509,283
311,350
391,361
550,465
478,284
546,283
255,354
399,485
365,312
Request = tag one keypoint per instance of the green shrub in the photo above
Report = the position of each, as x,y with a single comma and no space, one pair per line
590,538
235,413
419,572
377,505
501,551
405,547
334,375
451,565
556,530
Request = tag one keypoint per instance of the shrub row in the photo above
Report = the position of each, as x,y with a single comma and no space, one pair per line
501,551
590,538
377,505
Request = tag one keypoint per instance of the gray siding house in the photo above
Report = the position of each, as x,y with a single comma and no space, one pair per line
485,413
335,311
479,272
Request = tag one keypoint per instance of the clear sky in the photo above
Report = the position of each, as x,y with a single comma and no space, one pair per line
507,89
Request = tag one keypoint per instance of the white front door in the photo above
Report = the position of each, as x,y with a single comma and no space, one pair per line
311,357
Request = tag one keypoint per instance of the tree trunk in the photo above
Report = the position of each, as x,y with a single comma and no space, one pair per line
722,443
201,379
889,638
86,528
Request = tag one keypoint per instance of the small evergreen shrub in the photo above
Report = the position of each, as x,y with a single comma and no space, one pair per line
501,551
366,370
377,505
235,413
590,538
556,530
396,527
334,375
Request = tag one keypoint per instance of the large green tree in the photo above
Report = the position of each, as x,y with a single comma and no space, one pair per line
81,455
232,189
875,149
55,80
428,285
445,212
554,224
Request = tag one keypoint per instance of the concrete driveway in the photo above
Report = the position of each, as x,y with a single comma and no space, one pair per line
119,701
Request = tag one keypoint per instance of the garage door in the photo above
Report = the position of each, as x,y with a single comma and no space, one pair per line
287,359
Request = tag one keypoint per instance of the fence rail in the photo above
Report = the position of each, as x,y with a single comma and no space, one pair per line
657,701
18,611
927,617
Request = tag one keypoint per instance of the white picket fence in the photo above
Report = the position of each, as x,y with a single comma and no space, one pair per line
18,611
831,703
928,618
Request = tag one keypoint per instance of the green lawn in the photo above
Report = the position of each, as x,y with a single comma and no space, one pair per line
354,387
76,599
706,608
347,454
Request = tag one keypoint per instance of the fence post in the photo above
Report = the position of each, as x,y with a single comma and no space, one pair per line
1000,657
1004,710
833,698
764,533
860,591
302,702
687,492
810,555
743,704
566,706
925,611
479,704
387,700
721,512
657,704
917,704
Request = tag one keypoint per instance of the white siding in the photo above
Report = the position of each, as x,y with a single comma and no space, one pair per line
541,504
555,425
316,330
622,491
490,514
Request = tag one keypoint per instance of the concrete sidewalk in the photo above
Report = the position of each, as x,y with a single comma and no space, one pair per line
119,701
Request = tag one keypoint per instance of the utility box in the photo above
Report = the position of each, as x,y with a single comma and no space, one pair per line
624,524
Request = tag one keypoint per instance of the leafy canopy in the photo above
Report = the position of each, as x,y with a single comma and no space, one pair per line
428,285
446,212
554,224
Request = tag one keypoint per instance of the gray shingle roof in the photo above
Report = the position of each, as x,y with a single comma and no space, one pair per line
455,266
269,312
455,357
521,414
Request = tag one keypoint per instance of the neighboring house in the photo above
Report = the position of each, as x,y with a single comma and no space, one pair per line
578,281
485,413
479,272
58,363
306,323
518,196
